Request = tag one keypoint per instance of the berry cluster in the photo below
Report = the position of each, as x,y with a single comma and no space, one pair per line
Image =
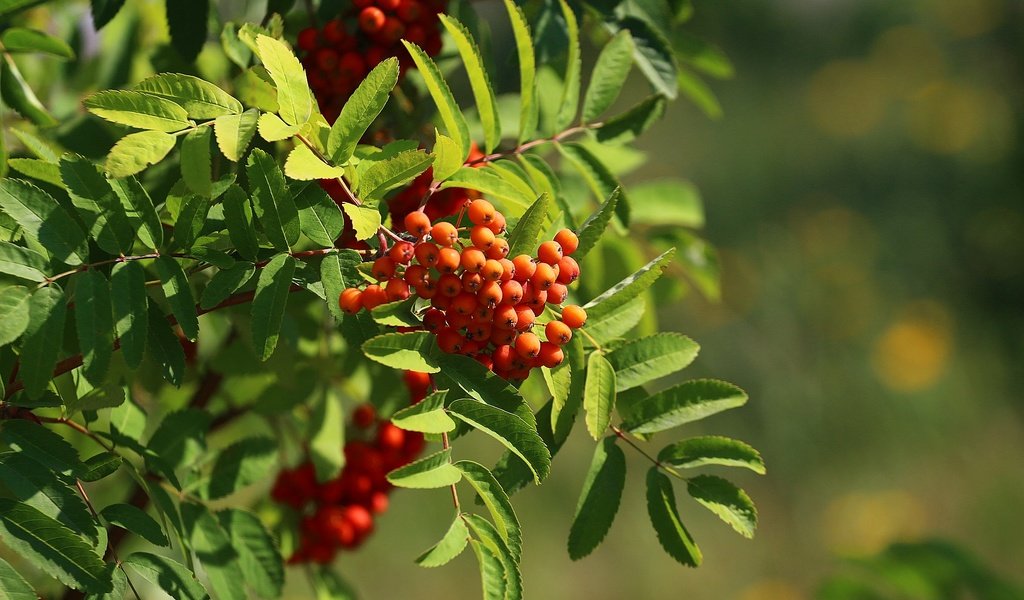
482,304
339,514
338,55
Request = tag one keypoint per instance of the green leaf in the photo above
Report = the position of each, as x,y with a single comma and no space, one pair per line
631,124
44,221
432,471
99,466
327,436
414,351
139,110
491,184
98,205
293,95
365,220
20,39
712,450
334,283
687,402
492,571
258,556
191,220
187,22
181,437
479,82
196,165
646,359
729,502
241,464
653,55
303,165
17,94
274,206
528,110
481,383
36,168
41,445
599,394
238,217
268,304
138,207
53,547
361,109
609,75
497,503
130,310
508,429
235,132
607,306
164,347
273,129
426,416
450,546
30,482
385,175
167,574
451,117
396,314
447,158
14,302
103,11
134,152
599,500
567,385
667,202
22,263
134,520
525,236
179,295
94,322
224,283
104,396
12,585
598,177
200,99
39,352
491,539
573,67
661,507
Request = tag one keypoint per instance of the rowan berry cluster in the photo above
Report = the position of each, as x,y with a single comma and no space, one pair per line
482,303
338,55
339,514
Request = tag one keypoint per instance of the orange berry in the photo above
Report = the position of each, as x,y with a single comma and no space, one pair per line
417,223
448,260
415,274
558,332
426,254
525,268
489,294
464,304
482,237
499,249
536,299
503,355
450,340
473,260
505,317
481,212
550,355
484,313
402,252
374,296
479,332
544,276
557,293
444,234
512,292
434,319
550,253
524,317
471,282
574,316
502,337
383,268
568,241
493,270
449,285
528,345
568,270
427,290
397,289
471,347
498,224
456,321
508,269
350,300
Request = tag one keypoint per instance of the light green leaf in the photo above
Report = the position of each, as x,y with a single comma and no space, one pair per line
447,158
224,283
128,299
508,429
452,118
94,323
667,202
609,75
134,520
181,437
497,503
200,99
365,220
293,95
361,109
46,312
687,402
567,385
14,302
661,507
327,436
599,394
414,351
450,546
598,177
258,556
573,67
492,571
712,450
334,283
22,263
13,585
273,129
385,175
303,165
18,94
138,207
480,83
528,110
234,132
196,166
271,200
139,110
20,39
631,124
426,416
646,359
432,471
269,303
525,236
729,502
37,168
599,500
164,347
491,539
396,314
179,295
238,217
491,184
607,306
167,574
134,152
43,220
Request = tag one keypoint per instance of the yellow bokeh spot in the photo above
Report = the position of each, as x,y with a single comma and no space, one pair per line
772,589
968,18
847,98
907,58
913,352
946,118
864,523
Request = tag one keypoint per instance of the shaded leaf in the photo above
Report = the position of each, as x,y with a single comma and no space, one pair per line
525,236
130,310
94,322
687,402
569,103
196,165
13,585
167,574
661,507
508,429
712,450
39,352
22,263
268,304
238,217
415,351
241,464
258,555
728,502
98,205
14,302
599,500
187,22
139,209
179,295
20,39
135,520
224,283
273,204
43,220
497,503
327,436
629,125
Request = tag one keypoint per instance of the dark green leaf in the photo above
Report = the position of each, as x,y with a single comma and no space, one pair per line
191,220
360,110
492,571
258,556
196,165
41,445
684,403
214,550
334,283
95,323
179,295
241,464
187,21
30,482
598,176
604,320
729,502
268,304
396,314
712,450
224,283
274,206
451,545
22,263
14,302
432,471
653,55
135,520
629,125
17,94
481,383
497,503
139,110
599,500
320,218
20,39
43,220
661,507
129,301
238,216
609,75
40,345
643,360
138,207
98,205
492,540
100,466
452,118
385,175
525,236
167,574
104,10
508,429
181,437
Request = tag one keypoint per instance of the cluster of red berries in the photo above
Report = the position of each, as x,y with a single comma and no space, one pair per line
339,514
338,55
483,304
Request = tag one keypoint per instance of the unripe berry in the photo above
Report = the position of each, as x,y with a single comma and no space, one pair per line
464,304
525,268
493,270
350,300
527,345
444,234
481,212
448,260
499,249
574,316
505,316
489,294
364,416
558,332
426,254
471,282
543,277
568,270
383,268
396,290
450,285
550,355
473,260
512,292
371,19
417,224
568,241
434,319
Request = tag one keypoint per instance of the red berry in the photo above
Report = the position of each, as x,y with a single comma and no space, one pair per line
308,38
371,19
364,416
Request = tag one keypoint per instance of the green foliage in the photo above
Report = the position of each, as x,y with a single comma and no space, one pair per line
450,546
599,500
